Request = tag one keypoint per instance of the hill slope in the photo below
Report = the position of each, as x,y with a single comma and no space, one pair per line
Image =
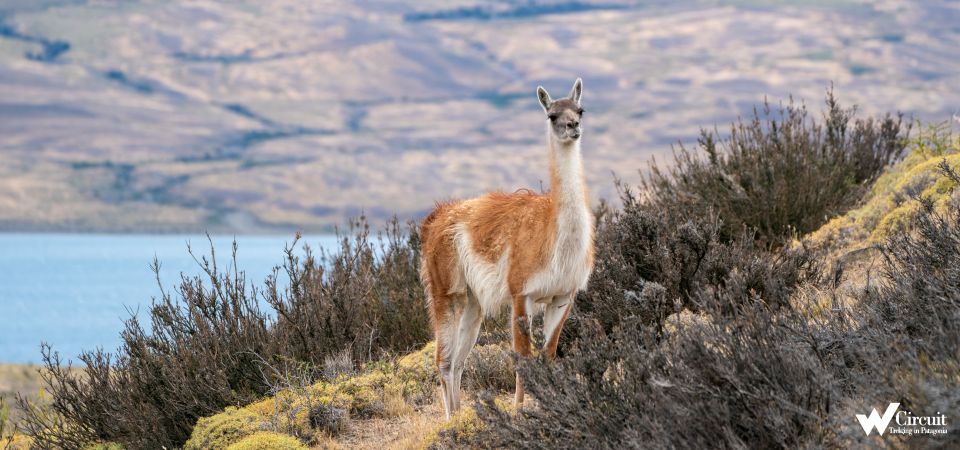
280,116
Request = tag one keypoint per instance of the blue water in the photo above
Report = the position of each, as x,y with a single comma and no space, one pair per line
73,290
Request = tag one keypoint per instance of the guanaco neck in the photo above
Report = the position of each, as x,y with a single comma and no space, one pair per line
567,187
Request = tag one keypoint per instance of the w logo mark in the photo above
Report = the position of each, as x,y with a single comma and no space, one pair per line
875,421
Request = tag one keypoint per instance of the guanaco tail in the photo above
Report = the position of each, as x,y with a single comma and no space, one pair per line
534,251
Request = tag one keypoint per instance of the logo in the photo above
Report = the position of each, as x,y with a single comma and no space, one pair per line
875,421
907,423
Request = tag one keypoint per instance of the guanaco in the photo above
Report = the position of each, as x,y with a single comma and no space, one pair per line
533,250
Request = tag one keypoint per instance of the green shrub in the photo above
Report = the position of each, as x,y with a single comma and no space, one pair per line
887,209
303,410
462,427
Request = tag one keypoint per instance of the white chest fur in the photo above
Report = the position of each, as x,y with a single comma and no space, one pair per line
567,270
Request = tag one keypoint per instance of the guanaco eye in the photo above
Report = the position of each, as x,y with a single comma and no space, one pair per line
552,117
581,111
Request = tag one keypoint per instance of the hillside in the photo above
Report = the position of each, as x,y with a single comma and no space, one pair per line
252,117
408,421
790,334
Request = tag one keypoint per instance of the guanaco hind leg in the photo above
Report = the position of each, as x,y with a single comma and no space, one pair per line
455,340
467,332
446,347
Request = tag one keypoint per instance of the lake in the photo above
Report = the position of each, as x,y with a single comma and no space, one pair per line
74,290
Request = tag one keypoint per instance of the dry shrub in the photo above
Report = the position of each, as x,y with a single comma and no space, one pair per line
750,380
922,297
490,367
780,173
651,263
743,374
208,341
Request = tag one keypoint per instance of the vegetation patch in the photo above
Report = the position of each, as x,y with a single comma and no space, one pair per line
781,173
209,344
322,409
697,308
462,427
266,440
224,429
754,372
888,208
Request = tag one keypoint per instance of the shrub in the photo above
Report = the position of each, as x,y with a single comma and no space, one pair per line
490,367
921,300
365,296
741,374
779,174
904,344
652,263
209,342
328,418
749,380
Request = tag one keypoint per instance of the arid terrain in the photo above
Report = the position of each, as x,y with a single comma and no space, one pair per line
252,116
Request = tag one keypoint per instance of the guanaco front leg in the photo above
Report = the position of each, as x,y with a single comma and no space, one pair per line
520,325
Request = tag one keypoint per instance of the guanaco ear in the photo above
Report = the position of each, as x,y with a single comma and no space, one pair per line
544,97
576,91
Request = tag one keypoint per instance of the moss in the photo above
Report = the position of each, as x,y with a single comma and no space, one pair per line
104,446
267,440
223,429
303,412
462,425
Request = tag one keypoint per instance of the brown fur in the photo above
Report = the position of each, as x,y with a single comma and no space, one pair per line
522,221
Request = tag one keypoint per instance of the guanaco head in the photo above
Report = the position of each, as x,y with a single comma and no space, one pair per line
564,114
